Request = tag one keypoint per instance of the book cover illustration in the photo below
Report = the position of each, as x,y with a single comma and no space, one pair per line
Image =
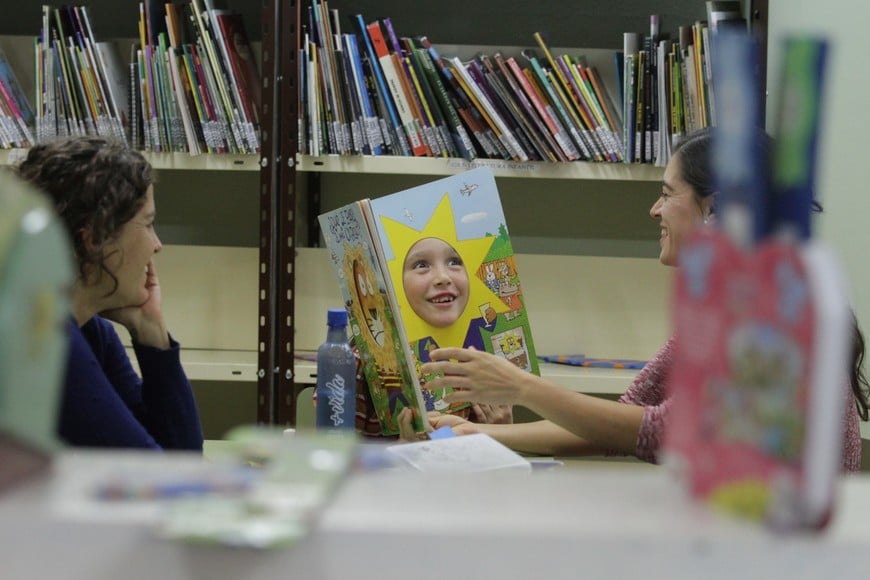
392,381
428,267
745,363
761,315
449,257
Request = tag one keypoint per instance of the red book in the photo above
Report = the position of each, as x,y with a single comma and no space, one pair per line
242,62
397,91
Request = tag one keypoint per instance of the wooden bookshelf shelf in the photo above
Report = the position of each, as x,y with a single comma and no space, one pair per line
501,168
171,161
205,162
215,365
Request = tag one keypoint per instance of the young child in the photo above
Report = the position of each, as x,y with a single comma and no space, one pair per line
436,285
435,282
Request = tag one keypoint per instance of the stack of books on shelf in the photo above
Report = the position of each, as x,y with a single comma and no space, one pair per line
374,92
194,84
191,83
667,84
78,92
16,114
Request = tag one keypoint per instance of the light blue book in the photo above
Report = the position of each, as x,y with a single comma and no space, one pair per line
393,257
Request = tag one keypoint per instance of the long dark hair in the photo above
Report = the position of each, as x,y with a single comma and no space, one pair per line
860,386
697,171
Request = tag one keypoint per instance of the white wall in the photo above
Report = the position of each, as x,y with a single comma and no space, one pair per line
844,168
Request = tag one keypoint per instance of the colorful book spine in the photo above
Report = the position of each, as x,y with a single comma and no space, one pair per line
394,85
461,140
371,127
401,138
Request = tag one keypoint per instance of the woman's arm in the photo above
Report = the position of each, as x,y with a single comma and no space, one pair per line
481,377
541,438
118,408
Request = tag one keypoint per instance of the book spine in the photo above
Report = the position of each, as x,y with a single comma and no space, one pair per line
416,102
560,114
394,85
216,80
552,149
545,112
525,129
631,46
430,102
584,102
639,143
605,130
371,126
353,113
401,139
510,112
480,100
475,73
466,110
461,139
583,126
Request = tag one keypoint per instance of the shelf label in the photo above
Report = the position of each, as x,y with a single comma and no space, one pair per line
528,167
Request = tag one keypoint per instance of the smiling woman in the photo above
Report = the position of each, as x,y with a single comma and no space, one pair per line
576,424
104,194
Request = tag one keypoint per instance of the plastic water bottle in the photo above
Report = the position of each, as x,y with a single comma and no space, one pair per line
336,376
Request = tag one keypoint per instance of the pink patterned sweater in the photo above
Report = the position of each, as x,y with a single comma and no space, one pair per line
648,391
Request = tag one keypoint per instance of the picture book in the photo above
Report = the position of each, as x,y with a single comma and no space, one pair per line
759,381
428,267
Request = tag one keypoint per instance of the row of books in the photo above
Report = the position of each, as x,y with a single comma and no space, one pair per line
76,91
373,92
667,84
16,114
194,84
191,85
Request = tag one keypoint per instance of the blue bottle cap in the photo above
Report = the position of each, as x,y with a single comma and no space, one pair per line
336,317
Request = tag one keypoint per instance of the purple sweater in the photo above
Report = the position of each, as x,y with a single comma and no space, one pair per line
106,404
648,391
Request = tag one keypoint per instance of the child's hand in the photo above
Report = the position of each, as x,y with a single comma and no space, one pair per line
405,418
459,425
485,413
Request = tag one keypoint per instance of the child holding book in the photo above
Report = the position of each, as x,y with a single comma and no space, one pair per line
435,282
104,194
577,424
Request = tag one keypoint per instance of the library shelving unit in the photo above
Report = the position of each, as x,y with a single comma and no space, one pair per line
595,212
215,220
237,276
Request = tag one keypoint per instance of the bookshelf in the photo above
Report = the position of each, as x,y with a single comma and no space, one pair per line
210,222
561,216
237,273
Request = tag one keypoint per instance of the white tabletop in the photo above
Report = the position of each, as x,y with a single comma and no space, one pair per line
593,522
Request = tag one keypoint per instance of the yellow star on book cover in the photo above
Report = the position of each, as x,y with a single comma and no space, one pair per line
441,225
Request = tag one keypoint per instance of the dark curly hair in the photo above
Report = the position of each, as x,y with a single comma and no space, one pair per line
97,185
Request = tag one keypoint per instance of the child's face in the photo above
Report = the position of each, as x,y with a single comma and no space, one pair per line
435,282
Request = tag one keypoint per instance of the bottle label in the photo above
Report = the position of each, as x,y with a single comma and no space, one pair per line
335,398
